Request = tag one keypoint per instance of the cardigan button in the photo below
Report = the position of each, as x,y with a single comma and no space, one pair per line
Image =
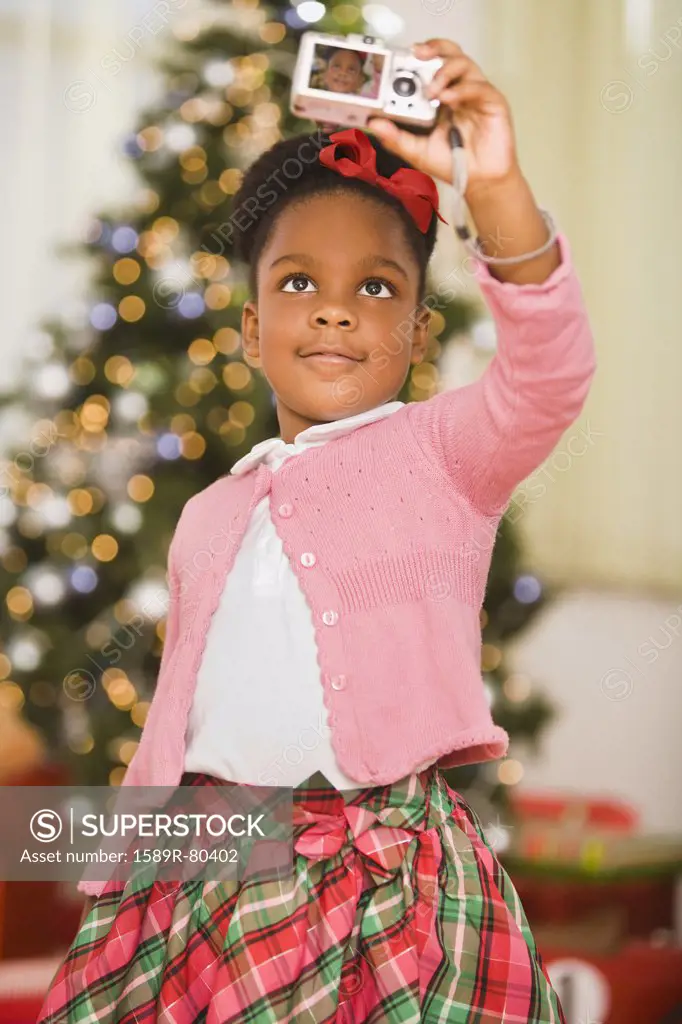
308,559
338,682
285,511
330,618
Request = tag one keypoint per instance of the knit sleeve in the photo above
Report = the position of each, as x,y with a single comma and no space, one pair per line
94,888
490,435
173,617
173,612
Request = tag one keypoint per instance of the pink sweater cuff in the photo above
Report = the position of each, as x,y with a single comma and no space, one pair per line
491,285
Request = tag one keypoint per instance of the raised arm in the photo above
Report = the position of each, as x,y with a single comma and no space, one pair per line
490,435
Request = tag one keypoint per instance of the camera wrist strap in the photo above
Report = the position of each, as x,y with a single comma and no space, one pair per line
460,177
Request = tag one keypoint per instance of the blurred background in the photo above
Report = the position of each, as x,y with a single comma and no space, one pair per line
123,390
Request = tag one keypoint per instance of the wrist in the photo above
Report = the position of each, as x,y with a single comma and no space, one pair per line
505,188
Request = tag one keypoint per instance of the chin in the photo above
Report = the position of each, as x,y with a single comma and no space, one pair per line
333,411
328,415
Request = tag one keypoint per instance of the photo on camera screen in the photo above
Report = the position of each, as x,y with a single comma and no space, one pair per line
353,72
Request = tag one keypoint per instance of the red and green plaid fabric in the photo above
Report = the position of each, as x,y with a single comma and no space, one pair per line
397,911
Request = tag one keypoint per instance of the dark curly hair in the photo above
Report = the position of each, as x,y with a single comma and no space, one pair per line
291,171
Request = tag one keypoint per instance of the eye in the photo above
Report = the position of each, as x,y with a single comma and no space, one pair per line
375,285
295,278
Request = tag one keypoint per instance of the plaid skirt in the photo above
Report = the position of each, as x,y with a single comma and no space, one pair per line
397,910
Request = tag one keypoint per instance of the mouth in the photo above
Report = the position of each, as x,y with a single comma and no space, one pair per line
330,359
335,354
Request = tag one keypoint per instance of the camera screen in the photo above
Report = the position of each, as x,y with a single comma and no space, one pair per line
353,72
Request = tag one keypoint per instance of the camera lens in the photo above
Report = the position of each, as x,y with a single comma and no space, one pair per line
404,85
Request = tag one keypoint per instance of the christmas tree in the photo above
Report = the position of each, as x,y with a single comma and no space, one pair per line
150,400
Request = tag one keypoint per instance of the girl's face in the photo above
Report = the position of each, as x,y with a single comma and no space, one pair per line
337,273
344,72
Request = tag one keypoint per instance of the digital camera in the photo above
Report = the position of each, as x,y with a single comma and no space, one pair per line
345,80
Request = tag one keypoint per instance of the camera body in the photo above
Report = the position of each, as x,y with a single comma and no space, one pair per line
345,80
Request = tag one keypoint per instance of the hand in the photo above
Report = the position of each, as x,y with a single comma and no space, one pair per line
478,109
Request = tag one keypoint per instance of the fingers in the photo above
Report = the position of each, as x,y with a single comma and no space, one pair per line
480,94
460,68
437,48
397,140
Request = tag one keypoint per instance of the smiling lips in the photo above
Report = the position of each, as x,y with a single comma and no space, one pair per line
336,356
330,365
330,359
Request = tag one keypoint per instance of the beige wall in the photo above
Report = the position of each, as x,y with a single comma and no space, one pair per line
597,93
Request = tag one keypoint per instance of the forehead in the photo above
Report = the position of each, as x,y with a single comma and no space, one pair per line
340,228
347,56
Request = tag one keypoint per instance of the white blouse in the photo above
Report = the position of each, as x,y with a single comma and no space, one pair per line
258,715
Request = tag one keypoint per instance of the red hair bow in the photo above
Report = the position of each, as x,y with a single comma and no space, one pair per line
416,190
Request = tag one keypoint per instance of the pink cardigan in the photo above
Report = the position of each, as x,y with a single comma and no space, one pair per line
389,530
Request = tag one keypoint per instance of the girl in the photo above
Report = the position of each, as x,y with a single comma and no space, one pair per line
345,73
325,601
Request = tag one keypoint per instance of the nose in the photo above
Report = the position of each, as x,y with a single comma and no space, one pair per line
334,316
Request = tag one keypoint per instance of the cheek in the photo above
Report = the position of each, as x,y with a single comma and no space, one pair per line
282,321
276,304
399,320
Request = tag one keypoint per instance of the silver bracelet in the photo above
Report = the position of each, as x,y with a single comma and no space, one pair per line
460,176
